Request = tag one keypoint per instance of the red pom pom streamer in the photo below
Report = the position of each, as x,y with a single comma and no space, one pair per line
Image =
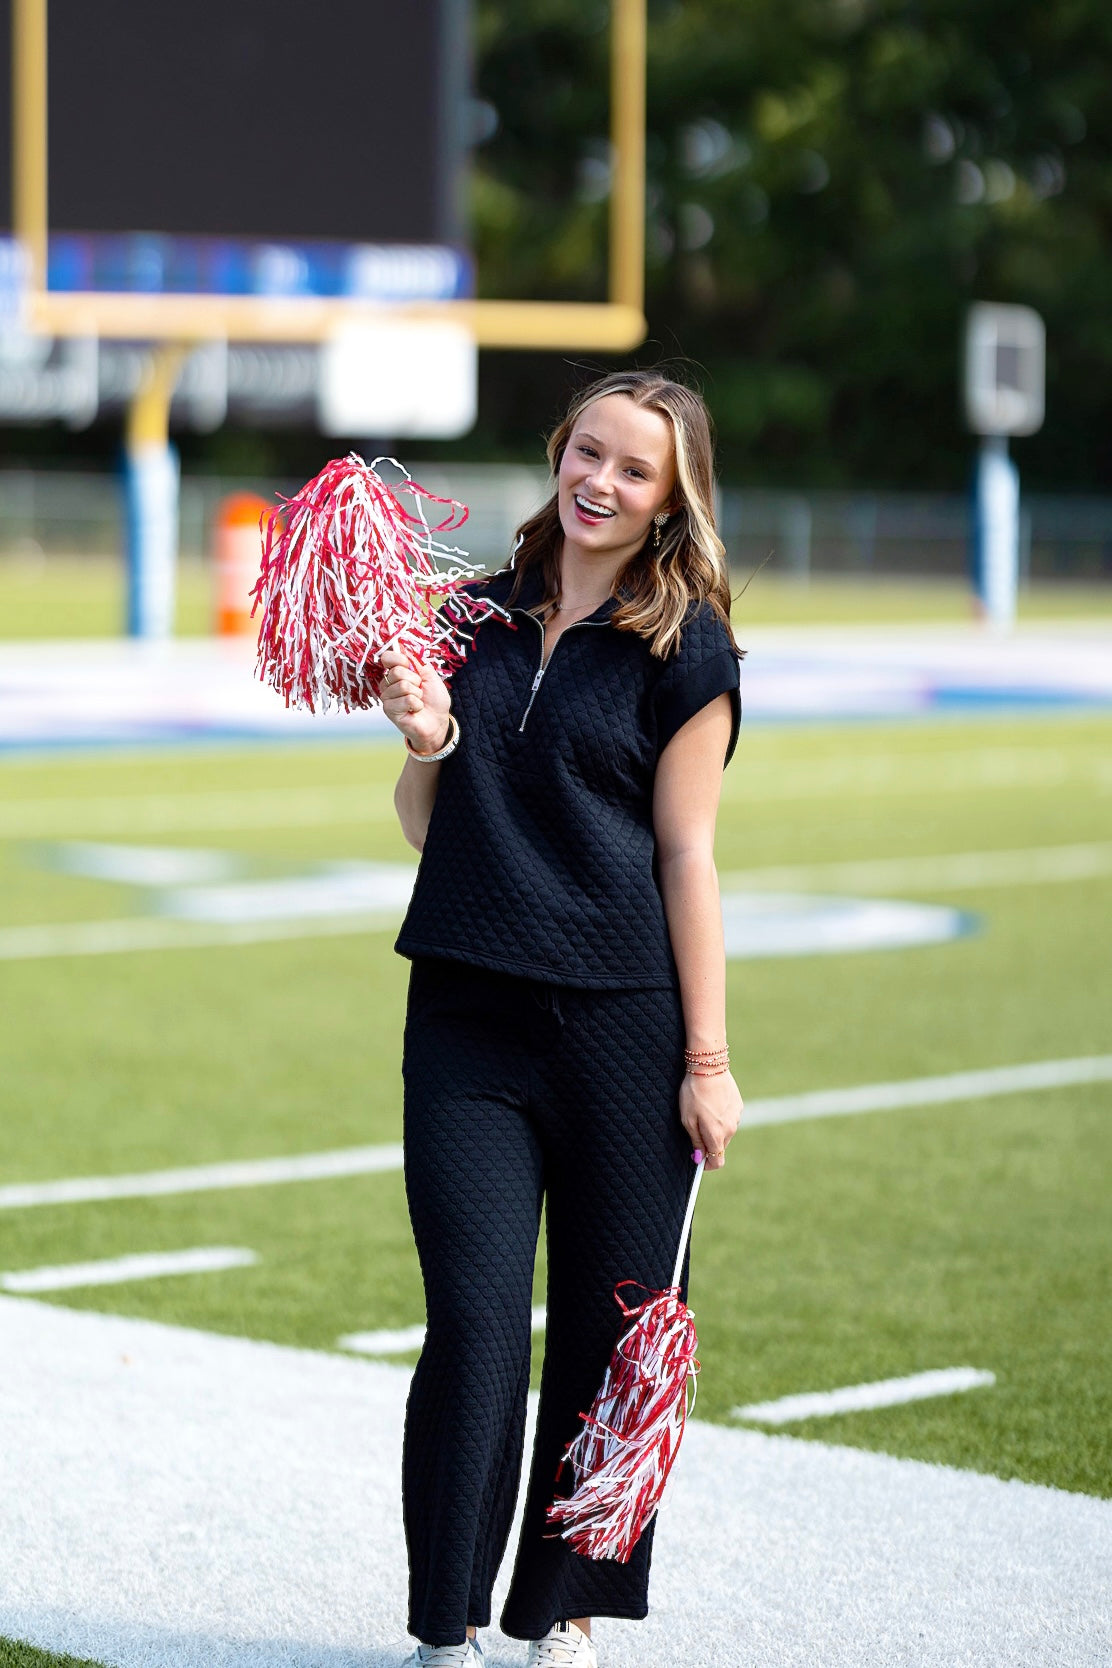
622,1457
348,571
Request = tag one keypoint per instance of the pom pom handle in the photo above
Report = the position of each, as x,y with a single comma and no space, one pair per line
685,1231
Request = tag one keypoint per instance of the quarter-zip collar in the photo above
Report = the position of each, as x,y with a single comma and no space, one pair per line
532,595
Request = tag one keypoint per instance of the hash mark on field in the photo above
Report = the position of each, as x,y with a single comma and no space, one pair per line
361,1161
403,1339
115,1271
856,1398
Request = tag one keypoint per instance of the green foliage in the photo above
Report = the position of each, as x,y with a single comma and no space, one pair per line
830,183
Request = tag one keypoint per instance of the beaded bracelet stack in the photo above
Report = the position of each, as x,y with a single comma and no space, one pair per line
706,1062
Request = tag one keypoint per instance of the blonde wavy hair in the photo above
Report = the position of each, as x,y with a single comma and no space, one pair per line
658,588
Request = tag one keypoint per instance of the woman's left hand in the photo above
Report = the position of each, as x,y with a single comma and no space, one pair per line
710,1111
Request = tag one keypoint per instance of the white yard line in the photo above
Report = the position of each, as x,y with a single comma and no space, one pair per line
1033,866
173,1499
857,1398
930,1091
153,932
206,1178
403,1340
116,1271
360,1161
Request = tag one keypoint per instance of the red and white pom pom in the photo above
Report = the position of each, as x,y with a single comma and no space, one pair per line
348,571
627,1447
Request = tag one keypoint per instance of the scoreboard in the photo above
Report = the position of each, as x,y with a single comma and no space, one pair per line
183,138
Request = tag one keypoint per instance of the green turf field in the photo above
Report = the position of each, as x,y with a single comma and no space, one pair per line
828,1253
13,1655
62,596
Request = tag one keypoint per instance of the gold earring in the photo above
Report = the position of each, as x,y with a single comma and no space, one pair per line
659,520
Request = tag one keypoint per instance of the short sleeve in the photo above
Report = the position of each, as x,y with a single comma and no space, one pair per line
705,665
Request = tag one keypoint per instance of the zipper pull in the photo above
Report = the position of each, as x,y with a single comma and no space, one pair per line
533,687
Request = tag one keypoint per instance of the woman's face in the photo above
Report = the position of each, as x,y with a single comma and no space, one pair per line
618,470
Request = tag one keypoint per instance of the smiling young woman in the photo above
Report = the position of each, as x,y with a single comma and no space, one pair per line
565,1037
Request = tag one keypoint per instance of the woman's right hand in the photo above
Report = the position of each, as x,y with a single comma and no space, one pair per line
416,699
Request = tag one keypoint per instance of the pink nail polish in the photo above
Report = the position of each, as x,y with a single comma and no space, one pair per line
697,1156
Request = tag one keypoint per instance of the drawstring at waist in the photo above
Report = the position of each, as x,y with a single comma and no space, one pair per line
547,998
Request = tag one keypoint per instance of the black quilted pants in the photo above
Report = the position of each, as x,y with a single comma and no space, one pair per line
517,1090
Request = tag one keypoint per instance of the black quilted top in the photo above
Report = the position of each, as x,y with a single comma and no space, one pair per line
540,855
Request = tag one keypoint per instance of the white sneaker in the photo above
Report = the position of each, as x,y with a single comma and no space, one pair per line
467,1655
563,1646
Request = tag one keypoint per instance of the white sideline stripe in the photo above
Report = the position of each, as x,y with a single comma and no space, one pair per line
1035,866
141,1265
929,1091
402,1340
360,1161
249,1493
141,932
205,1178
856,1398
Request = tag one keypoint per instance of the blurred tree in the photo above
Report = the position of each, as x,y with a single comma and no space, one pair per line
831,182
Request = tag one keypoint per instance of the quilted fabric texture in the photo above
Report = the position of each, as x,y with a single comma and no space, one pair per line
539,857
516,1089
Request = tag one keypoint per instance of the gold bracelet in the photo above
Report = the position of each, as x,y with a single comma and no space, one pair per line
449,746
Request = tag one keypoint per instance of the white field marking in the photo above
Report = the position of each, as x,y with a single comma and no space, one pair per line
1037,865
142,932
372,897
957,770
336,889
115,1271
929,1091
359,1161
404,1339
858,1398
249,1491
1032,866
206,1178
143,865
760,924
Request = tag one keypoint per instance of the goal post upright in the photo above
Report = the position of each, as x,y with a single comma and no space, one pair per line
628,63
29,130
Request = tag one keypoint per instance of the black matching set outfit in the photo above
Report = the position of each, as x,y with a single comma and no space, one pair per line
543,1057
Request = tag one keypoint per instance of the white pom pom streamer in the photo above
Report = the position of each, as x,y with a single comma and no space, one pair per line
348,571
622,1457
